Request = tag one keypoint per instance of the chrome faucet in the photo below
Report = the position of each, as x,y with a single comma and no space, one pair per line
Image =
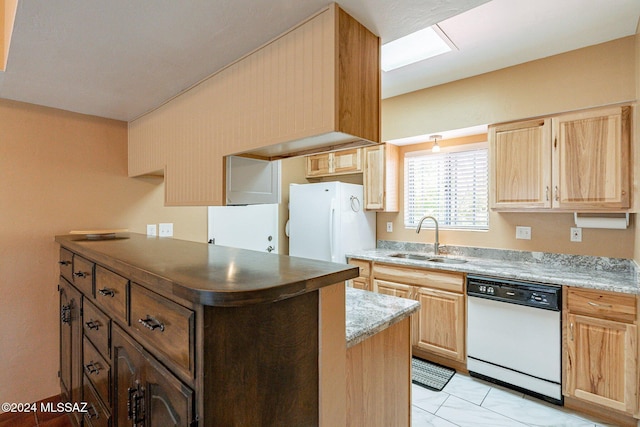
436,244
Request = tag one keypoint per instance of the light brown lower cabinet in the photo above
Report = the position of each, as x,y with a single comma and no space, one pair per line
601,364
363,281
439,326
379,379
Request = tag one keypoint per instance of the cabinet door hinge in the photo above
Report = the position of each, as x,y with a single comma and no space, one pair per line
58,374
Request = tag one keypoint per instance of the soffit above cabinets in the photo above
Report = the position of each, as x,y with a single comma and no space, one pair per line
120,59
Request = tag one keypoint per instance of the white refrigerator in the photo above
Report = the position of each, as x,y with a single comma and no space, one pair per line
327,220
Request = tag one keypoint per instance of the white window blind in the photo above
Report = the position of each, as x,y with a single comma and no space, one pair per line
450,185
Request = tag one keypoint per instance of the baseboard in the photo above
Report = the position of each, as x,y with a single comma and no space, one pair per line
460,367
608,415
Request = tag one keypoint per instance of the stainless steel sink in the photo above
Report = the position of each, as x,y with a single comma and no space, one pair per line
429,258
411,256
448,260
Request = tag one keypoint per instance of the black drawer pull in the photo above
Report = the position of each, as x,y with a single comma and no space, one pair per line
92,324
151,323
80,274
64,262
106,292
92,368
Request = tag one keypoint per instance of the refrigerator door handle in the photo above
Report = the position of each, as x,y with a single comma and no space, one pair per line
332,211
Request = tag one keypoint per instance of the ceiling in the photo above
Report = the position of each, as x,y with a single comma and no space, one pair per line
121,58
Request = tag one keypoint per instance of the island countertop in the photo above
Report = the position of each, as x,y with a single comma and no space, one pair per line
368,313
208,274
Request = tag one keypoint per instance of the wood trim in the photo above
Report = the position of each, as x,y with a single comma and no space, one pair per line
333,355
357,78
605,414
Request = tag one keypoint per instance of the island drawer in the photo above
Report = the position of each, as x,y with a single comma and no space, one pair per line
164,325
453,282
112,291
97,370
83,271
609,305
96,327
66,264
97,415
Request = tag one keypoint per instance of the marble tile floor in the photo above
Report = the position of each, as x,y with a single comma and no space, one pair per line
470,402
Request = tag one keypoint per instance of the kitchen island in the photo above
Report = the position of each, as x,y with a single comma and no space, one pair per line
161,329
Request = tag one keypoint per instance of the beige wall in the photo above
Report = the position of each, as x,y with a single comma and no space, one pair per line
593,76
60,171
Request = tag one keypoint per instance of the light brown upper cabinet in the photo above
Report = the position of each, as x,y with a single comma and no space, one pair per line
521,159
334,163
571,162
381,178
315,88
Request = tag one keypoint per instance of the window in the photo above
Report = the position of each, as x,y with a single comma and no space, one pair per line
451,185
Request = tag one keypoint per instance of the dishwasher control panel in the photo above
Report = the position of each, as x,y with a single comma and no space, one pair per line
515,292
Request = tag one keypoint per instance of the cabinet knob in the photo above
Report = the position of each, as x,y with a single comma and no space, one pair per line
64,262
106,292
556,195
80,274
151,323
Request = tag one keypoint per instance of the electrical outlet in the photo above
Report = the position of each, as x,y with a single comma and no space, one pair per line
166,229
523,233
389,227
576,234
151,230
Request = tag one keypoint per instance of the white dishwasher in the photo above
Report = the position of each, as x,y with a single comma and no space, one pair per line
514,335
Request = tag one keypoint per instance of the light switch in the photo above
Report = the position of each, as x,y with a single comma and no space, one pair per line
151,230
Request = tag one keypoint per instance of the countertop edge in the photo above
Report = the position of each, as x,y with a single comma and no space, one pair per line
224,298
505,270
381,312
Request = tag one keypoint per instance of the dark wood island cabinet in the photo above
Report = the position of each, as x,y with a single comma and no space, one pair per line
157,331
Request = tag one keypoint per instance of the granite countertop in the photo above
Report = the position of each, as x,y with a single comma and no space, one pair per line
609,274
208,274
368,313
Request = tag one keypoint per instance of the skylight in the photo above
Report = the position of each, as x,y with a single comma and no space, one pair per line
418,46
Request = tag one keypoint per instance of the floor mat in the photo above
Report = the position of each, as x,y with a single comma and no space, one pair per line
429,375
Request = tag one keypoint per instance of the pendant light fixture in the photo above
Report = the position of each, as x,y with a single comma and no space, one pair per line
436,147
